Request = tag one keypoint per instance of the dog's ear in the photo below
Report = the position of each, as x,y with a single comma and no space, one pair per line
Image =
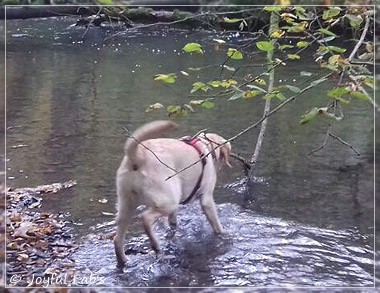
225,151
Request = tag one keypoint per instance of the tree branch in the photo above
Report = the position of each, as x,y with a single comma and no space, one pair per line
324,142
361,40
345,143
241,159
292,98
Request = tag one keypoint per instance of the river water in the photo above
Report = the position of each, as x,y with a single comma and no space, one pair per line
308,220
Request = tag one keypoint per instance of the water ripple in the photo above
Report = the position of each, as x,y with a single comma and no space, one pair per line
256,251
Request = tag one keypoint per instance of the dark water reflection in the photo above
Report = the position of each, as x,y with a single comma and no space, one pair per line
308,220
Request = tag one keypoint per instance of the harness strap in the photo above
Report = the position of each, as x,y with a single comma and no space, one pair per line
192,142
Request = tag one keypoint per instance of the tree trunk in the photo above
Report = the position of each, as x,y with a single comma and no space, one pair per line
24,12
274,19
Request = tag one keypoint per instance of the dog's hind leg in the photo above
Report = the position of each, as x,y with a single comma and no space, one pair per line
149,219
209,208
123,218
173,220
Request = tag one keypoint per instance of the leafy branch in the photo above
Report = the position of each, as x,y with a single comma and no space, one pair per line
301,24
256,124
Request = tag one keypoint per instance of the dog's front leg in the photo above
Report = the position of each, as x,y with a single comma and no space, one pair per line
209,208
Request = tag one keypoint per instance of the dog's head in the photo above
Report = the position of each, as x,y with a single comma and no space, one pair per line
218,144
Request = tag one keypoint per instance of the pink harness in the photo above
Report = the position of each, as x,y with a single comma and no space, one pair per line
192,141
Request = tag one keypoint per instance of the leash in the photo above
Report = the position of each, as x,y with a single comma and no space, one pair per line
192,142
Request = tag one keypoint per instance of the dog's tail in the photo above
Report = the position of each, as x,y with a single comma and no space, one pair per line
148,131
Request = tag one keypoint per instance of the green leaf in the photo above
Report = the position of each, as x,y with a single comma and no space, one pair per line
298,27
282,47
199,86
175,110
330,67
302,44
360,95
338,93
215,83
193,48
294,56
226,83
208,105
327,39
251,94
280,97
232,20
300,12
309,116
234,54
336,60
167,78
344,101
260,81
277,33
106,2
288,17
293,88
336,49
238,95
322,50
265,46
331,13
269,96
355,20
326,32
203,103
273,8
369,81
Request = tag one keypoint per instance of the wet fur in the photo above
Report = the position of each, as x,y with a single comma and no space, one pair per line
141,179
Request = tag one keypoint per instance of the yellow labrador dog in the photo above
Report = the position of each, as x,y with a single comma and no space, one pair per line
142,178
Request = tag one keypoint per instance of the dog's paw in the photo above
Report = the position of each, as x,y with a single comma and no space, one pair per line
156,248
170,233
226,234
121,263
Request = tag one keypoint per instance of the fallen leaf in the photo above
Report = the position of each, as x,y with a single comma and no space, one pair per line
22,257
24,228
